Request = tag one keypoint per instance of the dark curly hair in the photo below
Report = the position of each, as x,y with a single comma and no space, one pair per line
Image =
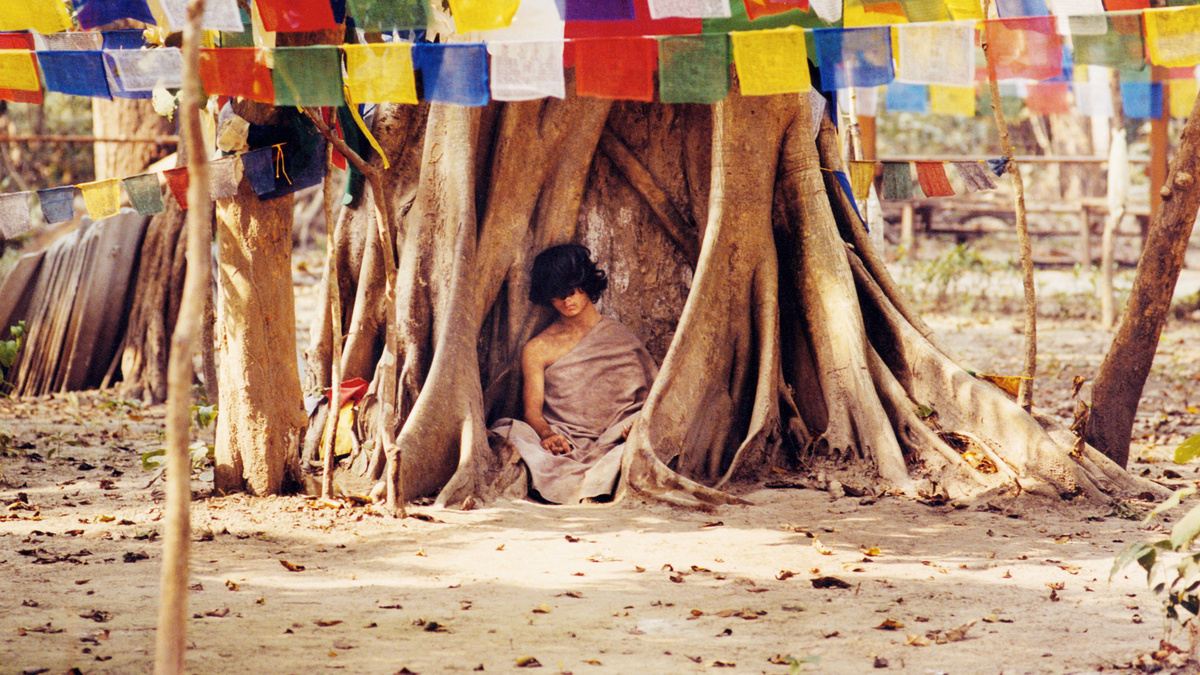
559,270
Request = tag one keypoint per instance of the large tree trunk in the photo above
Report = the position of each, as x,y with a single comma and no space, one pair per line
133,118
786,344
1122,375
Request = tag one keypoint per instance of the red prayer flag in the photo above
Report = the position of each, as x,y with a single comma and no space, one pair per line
757,8
641,26
933,181
1027,46
177,180
236,71
1122,5
296,16
621,68
20,41
1048,98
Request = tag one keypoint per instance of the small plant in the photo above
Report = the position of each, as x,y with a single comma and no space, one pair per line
8,354
201,453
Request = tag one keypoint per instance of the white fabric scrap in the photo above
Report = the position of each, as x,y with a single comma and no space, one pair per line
830,11
1076,7
937,53
145,69
218,15
866,101
1093,98
523,71
14,214
690,9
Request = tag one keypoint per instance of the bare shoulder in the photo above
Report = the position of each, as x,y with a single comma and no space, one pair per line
537,351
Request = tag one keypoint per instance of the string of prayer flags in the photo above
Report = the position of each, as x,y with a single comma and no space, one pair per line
145,195
308,76
1118,45
14,215
524,71
453,73
1008,9
1181,97
904,97
102,198
145,69
771,61
855,57
222,15
15,69
757,8
259,168
381,73
295,16
862,174
598,10
897,180
956,101
1028,47
976,177
387,15
1142,100
58,204
936,53
472,15
691,9
75,73
223,178
998,166
618,68
693,69
239,71
177,182
1171,36
43,16
932,178
1048,98
96,13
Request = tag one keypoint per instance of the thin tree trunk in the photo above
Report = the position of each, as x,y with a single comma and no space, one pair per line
1122,376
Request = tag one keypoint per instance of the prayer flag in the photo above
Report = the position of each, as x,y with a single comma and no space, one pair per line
239,71
911,98
1142,100
14,215
102,198
23,43
830,11
637,22
771,61
1076,7
864,14
693,68
691,9
145,69
1125,5
965,10
58,204
1048,98
975,176
18,70
1181,95
296,165
956,101
1009,9
129,38
620,68
453,73
535,21
523,71
866,100
177,181
309,76
998,166
1094,96
259,167
862,174
1173,36
598,10
43,16
387,15
757,8
1119,45
96,13
844,183
472,15
897,180
925,10
145,195
296,16
222,15
932,177
1027,47
380,73
222,177
855,57
937,53
75,73
73,41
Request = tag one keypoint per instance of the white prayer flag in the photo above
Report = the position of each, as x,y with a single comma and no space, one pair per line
535,20
866,101
14,214
145,69
218,15
690,9
1076,7
523,71
72,41
830,11
223,177
937,53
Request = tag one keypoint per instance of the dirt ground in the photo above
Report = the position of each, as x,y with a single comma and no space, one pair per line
292,585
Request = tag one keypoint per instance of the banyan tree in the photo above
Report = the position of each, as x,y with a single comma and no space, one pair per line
732,250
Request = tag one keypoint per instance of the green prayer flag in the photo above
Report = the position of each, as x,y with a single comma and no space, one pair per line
387,15
1119,46
897,180
917,11
145,195
308,76
242,39
693,68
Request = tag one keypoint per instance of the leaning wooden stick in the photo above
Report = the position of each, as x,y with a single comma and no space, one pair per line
172,610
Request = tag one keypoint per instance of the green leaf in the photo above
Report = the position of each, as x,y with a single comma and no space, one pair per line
1129,554
204,414
1186,529
925,411
1171,502
1188,450
151,460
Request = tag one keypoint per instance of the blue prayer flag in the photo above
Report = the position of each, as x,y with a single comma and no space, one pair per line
96,13
454,73
124,39
596,10
904,97
58,204
259,167
1142,100
844,181
1009,9
75,73
854,57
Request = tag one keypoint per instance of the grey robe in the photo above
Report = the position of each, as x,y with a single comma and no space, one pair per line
590,393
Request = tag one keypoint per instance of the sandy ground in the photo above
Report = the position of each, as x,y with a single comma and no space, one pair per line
630,588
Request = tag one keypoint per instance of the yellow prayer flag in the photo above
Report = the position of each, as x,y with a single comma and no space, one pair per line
964,10
380,73
1173,36
101,197
861,176
1182,96
771,61
958,101
44,16
856,15
17,70
472,15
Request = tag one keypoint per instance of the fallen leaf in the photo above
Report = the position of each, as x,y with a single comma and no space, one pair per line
573,540
676,578
1007,574
1070,569
231,584
342,644
918,641
500,547
391,607
638,569
421,552
829,582
219,613
821,548
881,662
593,662
872,551
105,519
464,604
696,613
693,659
426,517
757,590
99,616
958,633
889,624
134,556
325,623
290,567
572,594
784,575
723,664
715,523
528,662
541,609
701,570
792,608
